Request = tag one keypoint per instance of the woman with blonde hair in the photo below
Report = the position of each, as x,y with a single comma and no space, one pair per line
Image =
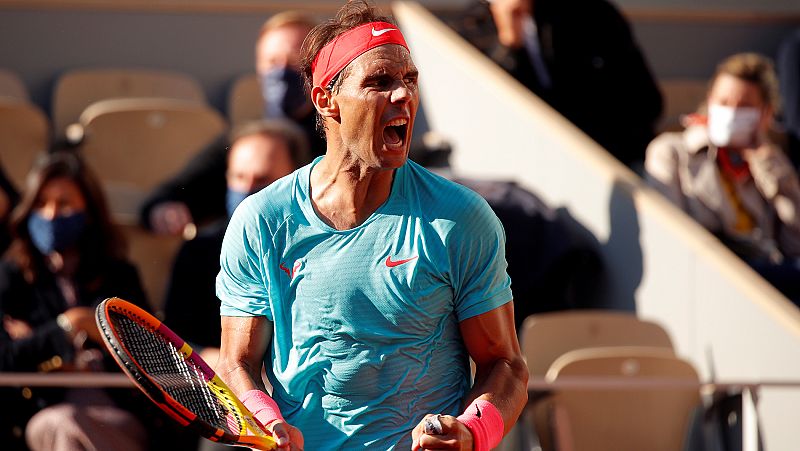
725,172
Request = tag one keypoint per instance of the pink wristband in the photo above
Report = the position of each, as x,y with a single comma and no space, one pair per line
263,407
486,424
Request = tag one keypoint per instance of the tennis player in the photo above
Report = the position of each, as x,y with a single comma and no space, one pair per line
365,282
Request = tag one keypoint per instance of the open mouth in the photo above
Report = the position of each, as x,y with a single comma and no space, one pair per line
394,134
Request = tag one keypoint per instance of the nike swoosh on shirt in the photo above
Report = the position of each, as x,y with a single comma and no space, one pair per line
380,32
392,264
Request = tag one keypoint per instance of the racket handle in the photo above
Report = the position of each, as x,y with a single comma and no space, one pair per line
433,426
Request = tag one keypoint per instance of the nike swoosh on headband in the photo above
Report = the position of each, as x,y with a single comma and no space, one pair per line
380,32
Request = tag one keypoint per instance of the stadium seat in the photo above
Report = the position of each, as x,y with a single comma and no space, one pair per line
24,133
245,102
76,90
11,86
153,255
135,144
547,336
628,419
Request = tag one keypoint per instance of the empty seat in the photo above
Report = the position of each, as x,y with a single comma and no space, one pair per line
653,417
76,90
245,102
24,133
12,87
547,336
135,144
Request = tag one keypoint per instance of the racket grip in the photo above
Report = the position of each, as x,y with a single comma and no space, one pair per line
264,408
433,426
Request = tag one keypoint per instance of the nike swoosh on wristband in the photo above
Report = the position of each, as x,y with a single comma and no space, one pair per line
380,32
392,264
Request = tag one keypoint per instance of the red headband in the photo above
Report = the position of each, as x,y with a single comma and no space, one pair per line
346,47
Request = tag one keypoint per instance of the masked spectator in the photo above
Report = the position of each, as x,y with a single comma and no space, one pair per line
725,172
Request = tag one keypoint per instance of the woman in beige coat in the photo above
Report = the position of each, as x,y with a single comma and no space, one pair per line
724,171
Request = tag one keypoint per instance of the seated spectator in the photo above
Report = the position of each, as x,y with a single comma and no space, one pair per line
724,171
65,258
261,153
789,74
197,194
578,56
8,199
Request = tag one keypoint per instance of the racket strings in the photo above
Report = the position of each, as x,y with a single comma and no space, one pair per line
176,374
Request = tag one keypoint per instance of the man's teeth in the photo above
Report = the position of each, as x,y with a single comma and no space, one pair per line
397,122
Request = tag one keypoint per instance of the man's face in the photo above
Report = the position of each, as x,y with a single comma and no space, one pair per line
255,161
280,47
378,100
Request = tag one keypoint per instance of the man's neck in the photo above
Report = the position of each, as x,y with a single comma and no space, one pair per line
344,192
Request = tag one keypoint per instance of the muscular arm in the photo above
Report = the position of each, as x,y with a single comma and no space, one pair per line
244,343
501,376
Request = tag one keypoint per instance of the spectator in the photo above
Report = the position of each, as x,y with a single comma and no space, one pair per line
261,153
278,68
724,172
578,56
789,73
197,194
64,259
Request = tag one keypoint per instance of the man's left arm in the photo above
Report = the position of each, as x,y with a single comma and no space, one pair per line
499,392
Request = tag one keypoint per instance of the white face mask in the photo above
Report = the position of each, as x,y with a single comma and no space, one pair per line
732,127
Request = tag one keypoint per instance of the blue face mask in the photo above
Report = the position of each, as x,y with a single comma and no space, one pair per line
283,93
58,234
232,200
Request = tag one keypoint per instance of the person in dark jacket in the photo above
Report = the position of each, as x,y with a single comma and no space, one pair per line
262,152
578,56
65,258
196,195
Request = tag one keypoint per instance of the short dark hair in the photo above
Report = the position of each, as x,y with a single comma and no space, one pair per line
349,16
290,133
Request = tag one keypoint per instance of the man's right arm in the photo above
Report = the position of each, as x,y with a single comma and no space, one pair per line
244,343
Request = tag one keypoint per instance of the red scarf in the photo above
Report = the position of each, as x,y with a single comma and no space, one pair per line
732,164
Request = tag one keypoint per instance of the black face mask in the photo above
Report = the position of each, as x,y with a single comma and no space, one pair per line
284,96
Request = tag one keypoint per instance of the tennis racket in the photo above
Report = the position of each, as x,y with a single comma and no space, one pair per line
176,379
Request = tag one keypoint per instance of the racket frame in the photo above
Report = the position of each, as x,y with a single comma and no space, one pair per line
258,438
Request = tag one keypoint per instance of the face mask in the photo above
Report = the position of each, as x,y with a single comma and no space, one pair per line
732,127
283,93
55,235
232,200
